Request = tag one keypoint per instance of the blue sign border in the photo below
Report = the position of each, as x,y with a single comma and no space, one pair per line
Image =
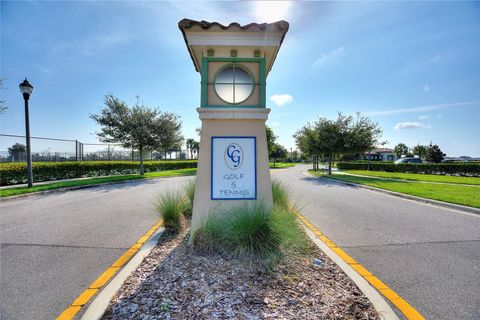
211,165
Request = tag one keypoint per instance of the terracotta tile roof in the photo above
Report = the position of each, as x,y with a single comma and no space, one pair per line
281,25
185,24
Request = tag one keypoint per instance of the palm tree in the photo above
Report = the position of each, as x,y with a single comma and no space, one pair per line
189,144
196,147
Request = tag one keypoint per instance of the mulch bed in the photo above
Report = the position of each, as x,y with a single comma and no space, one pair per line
174,282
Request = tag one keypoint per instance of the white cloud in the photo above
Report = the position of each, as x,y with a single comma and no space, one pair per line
474,103
424,117
281,99
427,88
408,125
333,54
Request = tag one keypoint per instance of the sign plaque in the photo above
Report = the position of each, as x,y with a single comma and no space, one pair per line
234,168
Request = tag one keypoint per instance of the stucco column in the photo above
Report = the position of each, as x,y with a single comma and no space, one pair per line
230,122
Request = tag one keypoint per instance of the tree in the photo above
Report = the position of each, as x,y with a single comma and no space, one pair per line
434,154
294,155
400,149
420,151
196,147
271,139
332,138
189,144
16,150
279,152
169,133
138,127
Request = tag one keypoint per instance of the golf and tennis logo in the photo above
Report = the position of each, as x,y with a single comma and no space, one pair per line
233,156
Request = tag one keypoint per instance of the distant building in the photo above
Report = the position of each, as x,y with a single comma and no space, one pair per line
381,154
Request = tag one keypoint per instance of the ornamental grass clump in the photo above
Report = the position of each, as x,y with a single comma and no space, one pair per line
250,231
171,206
280,195
207,240
189,195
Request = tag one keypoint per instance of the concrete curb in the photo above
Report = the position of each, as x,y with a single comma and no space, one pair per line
99,305
380,304
438,203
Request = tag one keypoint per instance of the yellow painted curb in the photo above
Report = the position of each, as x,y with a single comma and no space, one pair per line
84,297
408,311
96,285
69,313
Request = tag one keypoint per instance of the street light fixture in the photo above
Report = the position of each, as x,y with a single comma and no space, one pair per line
26,90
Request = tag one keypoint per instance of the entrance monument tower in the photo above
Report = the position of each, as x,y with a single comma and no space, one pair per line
233,62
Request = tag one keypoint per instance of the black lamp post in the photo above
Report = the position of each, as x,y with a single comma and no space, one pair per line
26,89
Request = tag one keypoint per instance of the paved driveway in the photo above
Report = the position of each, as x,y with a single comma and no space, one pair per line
427,254
53,246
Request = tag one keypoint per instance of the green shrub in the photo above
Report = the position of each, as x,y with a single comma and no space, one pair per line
463,169
14,173
171,206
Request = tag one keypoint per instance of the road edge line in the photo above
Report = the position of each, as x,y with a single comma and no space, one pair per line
438,203
372,287
102,301
137,249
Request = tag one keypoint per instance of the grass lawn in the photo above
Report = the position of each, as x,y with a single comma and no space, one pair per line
453,193
417,176
280,165
84,182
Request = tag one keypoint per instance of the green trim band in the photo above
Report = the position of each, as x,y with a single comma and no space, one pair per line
262,83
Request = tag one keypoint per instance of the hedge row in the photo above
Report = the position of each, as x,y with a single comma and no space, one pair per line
462,169
14,173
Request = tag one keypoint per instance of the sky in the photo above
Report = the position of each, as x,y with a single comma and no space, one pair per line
413,67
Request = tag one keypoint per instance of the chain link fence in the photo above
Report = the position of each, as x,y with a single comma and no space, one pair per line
12,149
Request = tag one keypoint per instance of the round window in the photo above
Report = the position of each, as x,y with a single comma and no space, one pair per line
233,84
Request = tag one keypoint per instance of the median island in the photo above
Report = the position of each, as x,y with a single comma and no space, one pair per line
247,263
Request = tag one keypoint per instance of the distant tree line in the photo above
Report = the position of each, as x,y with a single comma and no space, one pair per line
430,153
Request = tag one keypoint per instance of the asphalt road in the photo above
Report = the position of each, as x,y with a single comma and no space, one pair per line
428,255
53,246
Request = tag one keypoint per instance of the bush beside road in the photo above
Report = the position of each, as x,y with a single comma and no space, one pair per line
452,193
15,173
